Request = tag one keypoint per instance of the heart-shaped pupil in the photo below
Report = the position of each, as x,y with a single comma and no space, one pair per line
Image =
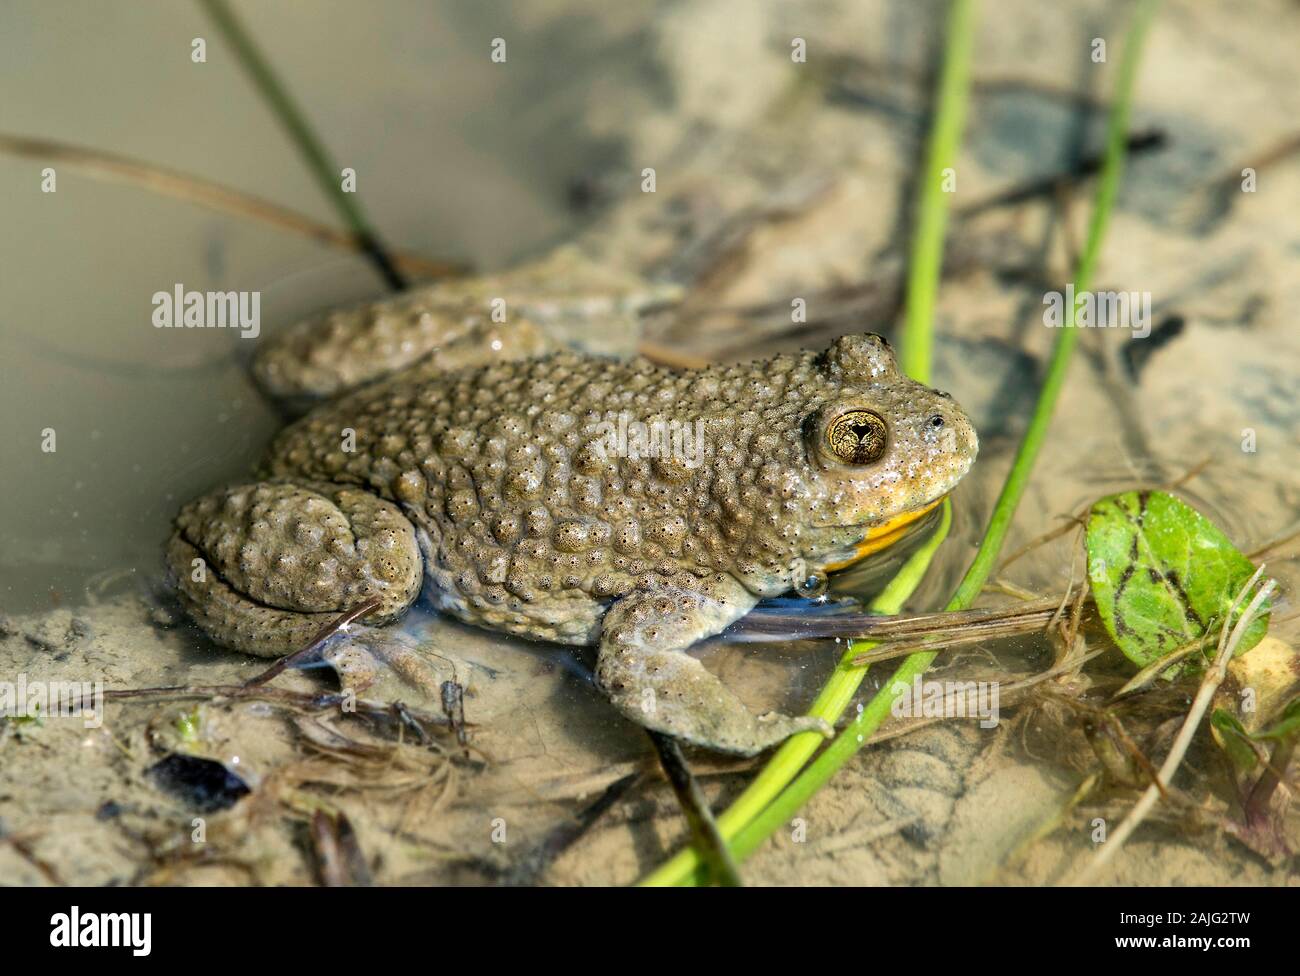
857,437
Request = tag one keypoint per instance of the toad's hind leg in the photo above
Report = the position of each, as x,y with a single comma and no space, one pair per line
344,349
262,567
644,669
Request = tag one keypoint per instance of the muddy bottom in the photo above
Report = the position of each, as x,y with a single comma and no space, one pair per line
799,189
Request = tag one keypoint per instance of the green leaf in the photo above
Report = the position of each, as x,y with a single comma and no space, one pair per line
1287,724
187,726
1234,739
1163,575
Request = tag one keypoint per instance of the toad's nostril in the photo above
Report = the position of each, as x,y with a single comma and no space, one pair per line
936,421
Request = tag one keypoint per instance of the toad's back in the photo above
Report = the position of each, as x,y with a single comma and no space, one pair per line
539,485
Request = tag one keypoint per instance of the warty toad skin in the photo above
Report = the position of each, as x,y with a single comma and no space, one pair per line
504,486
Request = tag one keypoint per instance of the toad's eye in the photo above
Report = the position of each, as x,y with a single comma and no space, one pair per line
857,437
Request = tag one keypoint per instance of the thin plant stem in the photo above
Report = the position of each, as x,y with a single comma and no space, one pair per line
304,138
206,193
926,264
705,835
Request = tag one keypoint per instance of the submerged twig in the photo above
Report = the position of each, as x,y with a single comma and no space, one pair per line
335,627
1080,518
453,706
397,714
979,625
783,626
708,840
1275,767
1153,670
208,194
1266,549
534,864
1009,693
394,715
668,356
1053,184
339,860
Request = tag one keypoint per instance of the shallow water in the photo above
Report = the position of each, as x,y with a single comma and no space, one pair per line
490,164
446,151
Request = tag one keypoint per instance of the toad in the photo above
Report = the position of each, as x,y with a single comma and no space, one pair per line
562,497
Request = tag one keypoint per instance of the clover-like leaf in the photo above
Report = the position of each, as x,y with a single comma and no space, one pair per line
1163,575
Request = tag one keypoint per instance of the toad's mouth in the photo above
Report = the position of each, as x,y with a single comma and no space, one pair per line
882,536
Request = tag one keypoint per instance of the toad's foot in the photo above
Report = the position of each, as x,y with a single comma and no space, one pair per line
644,669
362,663
263,567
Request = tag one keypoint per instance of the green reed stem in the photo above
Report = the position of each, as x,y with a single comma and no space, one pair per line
926,265
309,146
830,705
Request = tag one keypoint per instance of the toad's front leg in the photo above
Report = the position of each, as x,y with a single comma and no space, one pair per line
644,669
